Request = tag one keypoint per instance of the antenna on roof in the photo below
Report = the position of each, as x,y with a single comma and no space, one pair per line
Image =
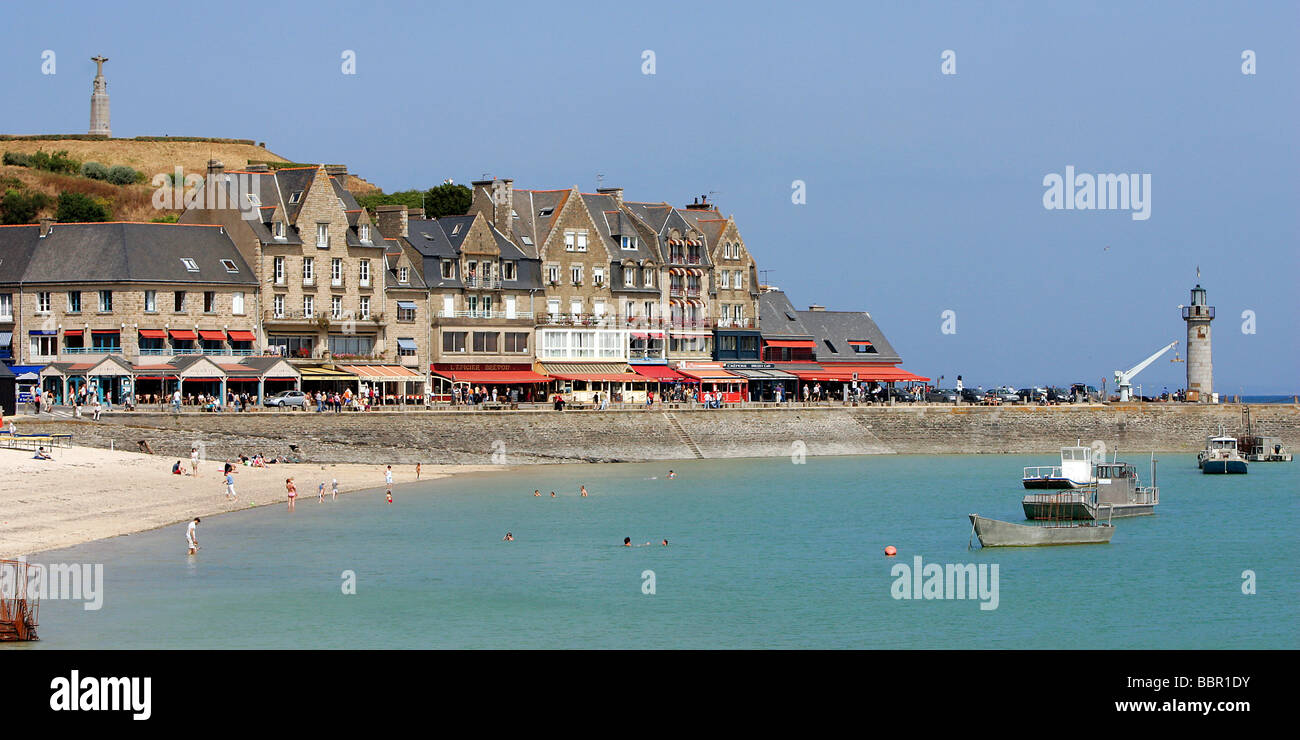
600,180
487,176
763,274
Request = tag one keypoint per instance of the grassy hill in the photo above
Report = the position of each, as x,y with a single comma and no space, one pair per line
148,155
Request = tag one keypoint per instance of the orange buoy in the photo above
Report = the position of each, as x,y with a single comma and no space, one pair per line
890,551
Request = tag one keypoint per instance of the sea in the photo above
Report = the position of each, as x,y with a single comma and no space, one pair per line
762,553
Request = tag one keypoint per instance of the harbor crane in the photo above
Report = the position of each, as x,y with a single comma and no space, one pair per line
1124,378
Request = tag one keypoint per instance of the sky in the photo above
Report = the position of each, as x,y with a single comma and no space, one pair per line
923,191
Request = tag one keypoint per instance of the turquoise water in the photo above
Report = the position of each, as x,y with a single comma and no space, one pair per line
763,553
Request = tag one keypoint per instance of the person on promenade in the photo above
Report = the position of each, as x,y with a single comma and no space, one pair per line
95,409
334,488
230,485
388,482
108,400
176,401
292,490
194,460
192,537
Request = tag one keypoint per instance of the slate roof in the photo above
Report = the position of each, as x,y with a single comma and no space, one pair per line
17,243
136,253
841,327
778,318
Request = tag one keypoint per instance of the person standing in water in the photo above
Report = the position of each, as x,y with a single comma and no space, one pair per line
388,481
191,537
584,490
508,538
292,490
671,475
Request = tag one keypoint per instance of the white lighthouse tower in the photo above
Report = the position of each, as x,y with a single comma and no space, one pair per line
1200,368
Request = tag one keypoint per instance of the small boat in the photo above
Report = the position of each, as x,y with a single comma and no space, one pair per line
1252,446
1220,456
997,533
1075,471
1116,488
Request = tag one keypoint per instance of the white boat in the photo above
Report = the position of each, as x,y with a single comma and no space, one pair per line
1116,492
1220,456
1075,471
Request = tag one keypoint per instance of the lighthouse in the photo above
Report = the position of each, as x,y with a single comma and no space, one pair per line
99,100
1200,369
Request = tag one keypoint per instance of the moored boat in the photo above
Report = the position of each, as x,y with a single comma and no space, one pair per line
1075,471
1116,491
997,533
1220,456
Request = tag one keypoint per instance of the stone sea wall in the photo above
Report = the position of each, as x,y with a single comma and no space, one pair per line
527,437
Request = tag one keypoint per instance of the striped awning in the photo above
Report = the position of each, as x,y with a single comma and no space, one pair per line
559,369
710,373
394,373
317,372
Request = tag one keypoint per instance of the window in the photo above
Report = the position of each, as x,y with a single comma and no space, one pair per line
292,346
403,275
237,303
190,264
575,306
455,230
43,302
209,301
649,277
336,272
508,270
405,311
575,241
649,309
7,306
570,239
278,270
516,341
575,274
629,277
229,265
448,271
308,270
322,236
308,306
151,301
253,200
546,212
553,306
406,346
45,346
279,230
365,273
471,305
294,197
726,279
737,282
364,230
453,341
485,341
582,241
598,275
352,344
629,242
277,306
553,274
74,301
105,301
448,306
336,307
365,307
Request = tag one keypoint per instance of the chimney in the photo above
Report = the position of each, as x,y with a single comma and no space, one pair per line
339,172
815,307
393,220
47,224
495,199
416,213
215,167
701,204
616,192
257,167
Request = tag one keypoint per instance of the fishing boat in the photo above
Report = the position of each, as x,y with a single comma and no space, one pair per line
1075,471
1259,448
997,533
1115,488
1220,456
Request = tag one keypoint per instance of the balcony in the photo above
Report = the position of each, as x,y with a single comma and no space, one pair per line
309,281
180,351
338,282
726,323
484,315
1198,312
483,283
92,350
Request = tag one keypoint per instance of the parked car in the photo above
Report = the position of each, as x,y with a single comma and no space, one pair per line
1085,393
1032,394
1006,394
1056,394
972,395
287,399
899,395
942,395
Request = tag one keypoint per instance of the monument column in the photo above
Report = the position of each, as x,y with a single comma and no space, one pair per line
99,100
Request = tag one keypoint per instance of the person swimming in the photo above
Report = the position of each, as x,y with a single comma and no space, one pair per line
671,474
552,494
664,543
537,492
508,538
627,542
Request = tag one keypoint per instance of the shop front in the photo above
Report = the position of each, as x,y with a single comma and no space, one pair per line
715,380
519,380
766,383
598,382
394,384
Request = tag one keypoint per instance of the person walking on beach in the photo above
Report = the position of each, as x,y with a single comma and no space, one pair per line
320,498
292,490
230,485
194,460
191,537
417,471
334,486
388,481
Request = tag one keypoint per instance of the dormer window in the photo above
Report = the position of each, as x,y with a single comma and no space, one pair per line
629,277
403,275
629,242
190,264
448,269
508,270
279,229
546,212
528,241
364,231
323,236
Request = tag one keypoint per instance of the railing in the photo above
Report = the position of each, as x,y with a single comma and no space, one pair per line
92,350
337,282
1205,312
646,354
494,314
675,292
309,281
736,323
489,283
1035,472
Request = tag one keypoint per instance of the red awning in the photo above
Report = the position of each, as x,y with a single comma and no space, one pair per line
184,334
859,343
507,377
153,333
791,343
661,373
212,336
71,332
239,335
717,375
602,377
105,331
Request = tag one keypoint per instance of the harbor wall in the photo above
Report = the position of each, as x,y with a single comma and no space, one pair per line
526,437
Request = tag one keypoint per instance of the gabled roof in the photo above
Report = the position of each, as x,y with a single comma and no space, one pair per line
778,318
17,244
842,327
136,252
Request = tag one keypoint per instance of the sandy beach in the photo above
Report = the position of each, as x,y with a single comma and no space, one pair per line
87,494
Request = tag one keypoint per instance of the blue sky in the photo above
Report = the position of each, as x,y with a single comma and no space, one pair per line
924,190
